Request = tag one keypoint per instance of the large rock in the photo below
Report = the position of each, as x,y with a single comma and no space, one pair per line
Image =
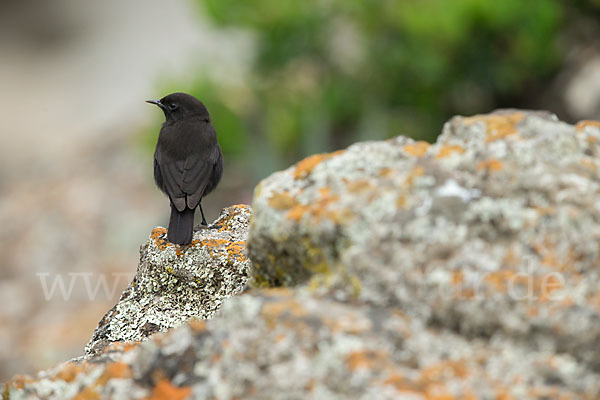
492,232
175,283
463,269
277,344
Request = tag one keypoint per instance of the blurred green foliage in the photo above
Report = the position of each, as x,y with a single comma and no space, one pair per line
326,73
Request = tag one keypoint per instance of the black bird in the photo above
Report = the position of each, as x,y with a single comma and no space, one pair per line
188,163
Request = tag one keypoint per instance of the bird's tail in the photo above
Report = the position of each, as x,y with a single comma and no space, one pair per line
181,226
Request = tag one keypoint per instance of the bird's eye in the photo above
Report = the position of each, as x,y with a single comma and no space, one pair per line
172,106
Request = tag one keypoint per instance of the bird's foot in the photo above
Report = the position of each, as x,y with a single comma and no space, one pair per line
200,227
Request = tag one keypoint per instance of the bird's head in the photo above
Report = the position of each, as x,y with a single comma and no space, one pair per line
177,106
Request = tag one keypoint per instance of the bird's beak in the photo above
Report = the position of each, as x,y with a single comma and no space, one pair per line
156,102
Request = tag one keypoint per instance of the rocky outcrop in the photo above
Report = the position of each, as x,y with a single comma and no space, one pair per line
396,269
176,283
284,344
491,233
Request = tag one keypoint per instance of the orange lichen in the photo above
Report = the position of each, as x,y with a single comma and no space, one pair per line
282,201
548,284
280,338
542,286
348,324
360,185
589,164
549,257
19,381
544,210
593,301
581,125
510,258
443,370
500,279
159,235
123,347
236,250
434,377
215,358
251,391
274,309
165,390
116,370
234,211
306,166
212,243
467,293
569,302
439,392
284,312
414,173
469,395
457,277
503,393
402,384
499,126
532,311
449,149
88,393
277,292
405,187
417,149
70,371
490,165
181,249
400,201
385,171
318,209
197,325
365,359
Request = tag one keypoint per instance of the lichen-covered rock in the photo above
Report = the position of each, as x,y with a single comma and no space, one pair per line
459,270
175,283
493,232
279,344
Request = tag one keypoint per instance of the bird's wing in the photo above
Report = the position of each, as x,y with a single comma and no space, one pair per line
197,172
157,173
172,179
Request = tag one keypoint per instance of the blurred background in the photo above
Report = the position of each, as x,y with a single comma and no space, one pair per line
282,79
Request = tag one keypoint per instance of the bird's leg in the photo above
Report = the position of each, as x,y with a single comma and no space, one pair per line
203,224
202,213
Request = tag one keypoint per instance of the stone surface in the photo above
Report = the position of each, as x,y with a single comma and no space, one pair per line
492,232
284,344
175,283
459,270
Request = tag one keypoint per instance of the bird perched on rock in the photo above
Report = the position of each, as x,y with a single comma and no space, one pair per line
188,162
